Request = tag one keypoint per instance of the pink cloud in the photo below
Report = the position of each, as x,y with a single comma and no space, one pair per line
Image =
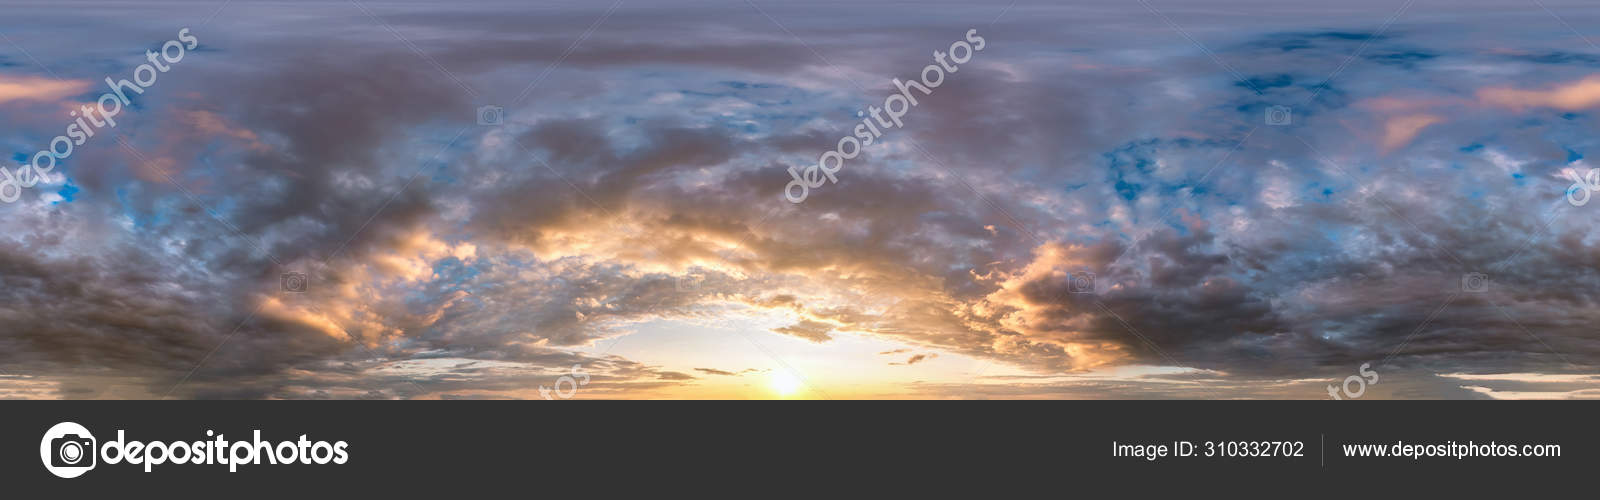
31,88
1400,130
1583,94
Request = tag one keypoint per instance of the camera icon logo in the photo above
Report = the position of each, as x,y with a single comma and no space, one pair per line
1080,282
68,450
292,282
1279,115
491,115
1474,282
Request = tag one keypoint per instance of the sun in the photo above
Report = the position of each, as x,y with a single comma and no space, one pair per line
785,384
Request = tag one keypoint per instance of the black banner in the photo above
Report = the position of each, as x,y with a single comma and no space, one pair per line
410,449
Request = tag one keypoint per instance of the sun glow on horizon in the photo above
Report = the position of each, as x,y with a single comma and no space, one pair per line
784,384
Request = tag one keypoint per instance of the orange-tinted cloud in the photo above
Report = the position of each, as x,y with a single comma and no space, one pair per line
209,124
1583,94
32,88
1405,117
1400,130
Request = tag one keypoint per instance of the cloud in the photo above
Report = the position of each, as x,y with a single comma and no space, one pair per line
1530,385
637,191
917,358
725,373
33,88
1399,131
814,331
1571,96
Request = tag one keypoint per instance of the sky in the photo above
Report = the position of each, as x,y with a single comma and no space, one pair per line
592,200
